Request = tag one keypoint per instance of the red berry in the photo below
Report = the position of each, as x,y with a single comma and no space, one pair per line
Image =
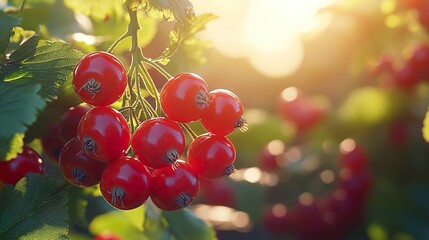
405,77
272,156
307,214
184,97
420,60
104,133
348,211
29,161
126,183
276,219
69,121
353,156
212,156
52,144
99,79
224,113
296,108
217,193
357,184
107,236
158,142
77,168
174,187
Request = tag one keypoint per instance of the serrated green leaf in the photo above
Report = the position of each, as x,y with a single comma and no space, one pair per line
184,225
187,35
117,222
48,65
36,208
98,10
180,10
425,129
26,50
7,23
15,146
19,106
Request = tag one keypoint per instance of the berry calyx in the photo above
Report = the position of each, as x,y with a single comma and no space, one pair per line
212,156
104,134
158,142
126,183
77,168
184,97
224,113
175,186
99,79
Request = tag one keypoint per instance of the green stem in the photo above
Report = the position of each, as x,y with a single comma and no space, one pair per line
157,67
119,40
189,130
22,5
150,86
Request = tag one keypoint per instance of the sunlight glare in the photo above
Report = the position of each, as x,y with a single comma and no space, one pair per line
267,33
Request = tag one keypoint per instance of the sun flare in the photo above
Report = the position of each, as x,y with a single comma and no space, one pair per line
266,32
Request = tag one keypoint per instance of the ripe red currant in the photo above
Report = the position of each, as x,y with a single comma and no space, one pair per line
158,142
218,192
184,97
276,219
99,79
77,168
420,60
29,161
405,77
212,156
69,121
272,156
107,236
126,183
174,187
347,210
353,156
104,133
224,113
52,144
295,107
357,184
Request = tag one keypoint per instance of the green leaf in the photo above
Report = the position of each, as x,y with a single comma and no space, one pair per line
426,127
98,10
186,35
180,10
49,65
7,23
119,222
36,208
19,105
184,225
154,223
26,50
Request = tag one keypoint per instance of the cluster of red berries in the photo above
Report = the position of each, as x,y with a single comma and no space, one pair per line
407,74
131,166
332,214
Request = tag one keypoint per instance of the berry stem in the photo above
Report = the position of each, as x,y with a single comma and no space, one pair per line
189,130
157,67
